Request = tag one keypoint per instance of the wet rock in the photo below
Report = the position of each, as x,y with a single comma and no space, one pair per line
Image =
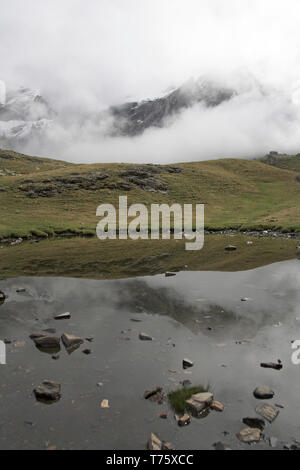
48,391
20,290
87,352
184,420
170,274
263,392
105,404
145,337
268,412
254,423
163,415
187,363
155,395
2,297
221,446
63,316
47,342
34,336
71,342
7,341
150,393
230,248
90,339
217,406
271,365
199,402
154,443
55,357
249,435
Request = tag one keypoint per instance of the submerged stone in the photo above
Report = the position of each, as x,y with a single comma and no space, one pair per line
48,391
249,435
263,392
268,412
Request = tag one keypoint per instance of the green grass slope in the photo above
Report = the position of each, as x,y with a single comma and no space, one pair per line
42,196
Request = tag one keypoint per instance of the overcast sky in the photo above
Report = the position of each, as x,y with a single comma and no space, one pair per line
93,53
114,48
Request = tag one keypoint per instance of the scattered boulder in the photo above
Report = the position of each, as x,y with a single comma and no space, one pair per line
221,446
48,391
217,406
271,365
249,435
184,420
71,342
47,342
145,337
199,402
187,363
87,352
268,412
154,443
163,415
230,248
63,316
263,392
155,395
254,423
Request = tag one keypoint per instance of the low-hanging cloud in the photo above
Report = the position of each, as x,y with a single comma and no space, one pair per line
87,56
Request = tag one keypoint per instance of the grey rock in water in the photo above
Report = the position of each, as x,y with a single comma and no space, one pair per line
249,435
184,420
47,342
187,363
71,342
263,392
170,274
145,337
268,412
271,365
254,423
199,402
221,446
48,391
63,316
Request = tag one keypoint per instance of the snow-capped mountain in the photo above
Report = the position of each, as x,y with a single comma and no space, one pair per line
24,114
134,118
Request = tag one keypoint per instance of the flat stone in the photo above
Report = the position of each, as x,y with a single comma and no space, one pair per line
87,352
145,337
187,363
63,316
263,393
268,412
71,341
271,365
199,402
150,393
249,435
254,423
47,342
217,406
154,443
221,446
48,391
184,420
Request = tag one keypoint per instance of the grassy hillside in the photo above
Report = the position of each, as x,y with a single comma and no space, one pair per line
41,196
